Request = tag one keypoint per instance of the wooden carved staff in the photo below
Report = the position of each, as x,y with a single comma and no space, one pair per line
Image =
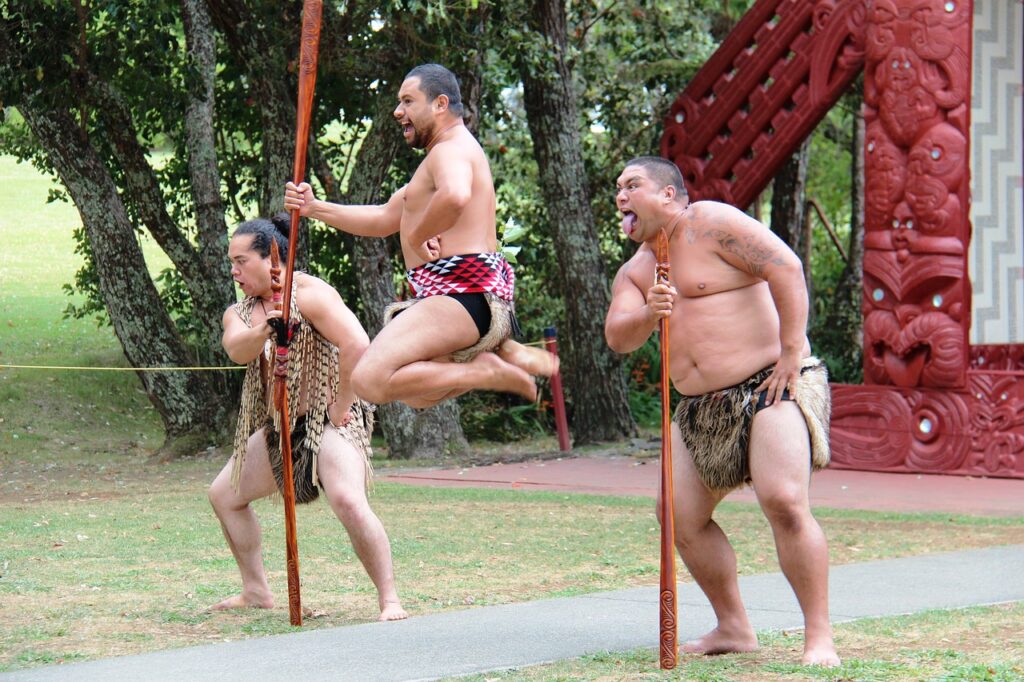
667,615
308,51
283,338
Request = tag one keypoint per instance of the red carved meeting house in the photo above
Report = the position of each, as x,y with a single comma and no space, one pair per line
944,206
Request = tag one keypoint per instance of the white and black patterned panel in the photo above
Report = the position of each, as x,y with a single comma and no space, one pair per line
996,257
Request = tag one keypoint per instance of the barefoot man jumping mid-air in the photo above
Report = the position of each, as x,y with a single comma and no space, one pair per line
755,405
445,217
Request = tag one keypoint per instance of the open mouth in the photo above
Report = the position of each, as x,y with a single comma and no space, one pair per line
628,222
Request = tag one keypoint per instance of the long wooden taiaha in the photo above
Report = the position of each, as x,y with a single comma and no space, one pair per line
668,630
312,11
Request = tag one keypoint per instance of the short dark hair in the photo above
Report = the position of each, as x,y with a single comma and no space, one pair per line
662,171
435,80
266,230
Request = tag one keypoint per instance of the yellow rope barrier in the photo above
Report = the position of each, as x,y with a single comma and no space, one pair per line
127,369
157,369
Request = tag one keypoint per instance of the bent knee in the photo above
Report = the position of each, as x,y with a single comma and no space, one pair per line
786,512
350,507
218,496
223,498
687,535
369,383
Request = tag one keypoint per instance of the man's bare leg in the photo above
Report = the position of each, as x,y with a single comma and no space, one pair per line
533,361
400,362
240,525
342,473
780,469
708,556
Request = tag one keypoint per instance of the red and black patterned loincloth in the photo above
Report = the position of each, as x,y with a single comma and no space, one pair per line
470,273
487,274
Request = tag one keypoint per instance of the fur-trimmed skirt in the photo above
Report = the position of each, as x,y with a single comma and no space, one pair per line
502,325
716,426
304,473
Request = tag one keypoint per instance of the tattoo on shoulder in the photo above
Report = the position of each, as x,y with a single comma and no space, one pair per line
753,254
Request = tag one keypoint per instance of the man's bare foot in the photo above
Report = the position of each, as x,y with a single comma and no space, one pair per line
244,601
821,653
718,642
531,360
392,610
504,376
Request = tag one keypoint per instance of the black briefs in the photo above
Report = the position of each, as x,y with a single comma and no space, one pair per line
763,396
478,308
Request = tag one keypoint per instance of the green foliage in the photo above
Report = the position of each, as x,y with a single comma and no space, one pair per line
829,181
845,361
86,284
644,370
629,60
500,419
176,299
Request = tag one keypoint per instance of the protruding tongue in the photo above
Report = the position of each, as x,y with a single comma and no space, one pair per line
628,223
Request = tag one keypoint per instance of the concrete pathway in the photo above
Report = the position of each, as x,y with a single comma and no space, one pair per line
843,489
500,637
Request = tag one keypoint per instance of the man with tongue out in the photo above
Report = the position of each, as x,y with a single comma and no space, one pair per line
755,404
454,335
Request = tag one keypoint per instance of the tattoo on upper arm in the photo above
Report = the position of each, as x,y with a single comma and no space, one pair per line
754,254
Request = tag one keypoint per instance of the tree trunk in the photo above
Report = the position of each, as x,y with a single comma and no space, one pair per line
594,373
473,78
261,56
789,218
788,196
410,433
190,407
845,322
211,228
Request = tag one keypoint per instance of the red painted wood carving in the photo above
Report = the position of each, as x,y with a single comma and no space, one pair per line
979,431
1003,358
775,76
916,290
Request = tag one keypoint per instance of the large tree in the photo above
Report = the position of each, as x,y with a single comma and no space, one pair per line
558,101
65,72
212,82
595,376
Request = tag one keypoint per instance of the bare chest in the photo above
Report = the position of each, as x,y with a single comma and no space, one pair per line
418,193
697,270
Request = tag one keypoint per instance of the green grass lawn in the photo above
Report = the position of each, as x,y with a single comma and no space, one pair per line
58,415
967,645
120,554
105,551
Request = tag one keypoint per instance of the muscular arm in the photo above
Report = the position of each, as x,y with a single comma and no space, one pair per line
630,319
243,344
323,308
749,246
452,174
363,221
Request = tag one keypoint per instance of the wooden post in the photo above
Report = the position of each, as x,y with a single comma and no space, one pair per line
561,423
